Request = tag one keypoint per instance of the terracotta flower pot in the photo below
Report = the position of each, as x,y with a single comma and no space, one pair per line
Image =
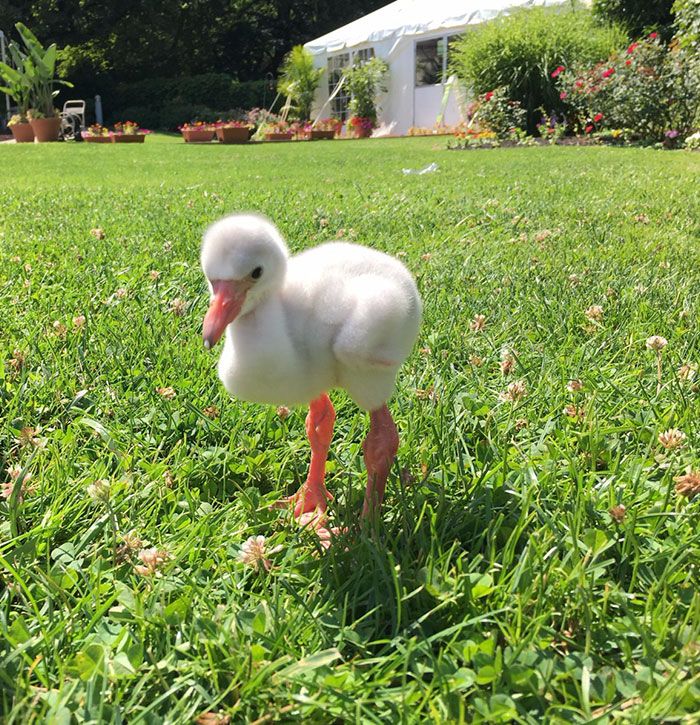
97,139
233,134
128,137
22,132
46,129
198,135
361,132
318,135
287,136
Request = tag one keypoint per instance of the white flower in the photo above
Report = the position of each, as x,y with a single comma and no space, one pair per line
656,343
99,491
253,552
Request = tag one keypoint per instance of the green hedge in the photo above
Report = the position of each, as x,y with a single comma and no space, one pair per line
520,52
169,102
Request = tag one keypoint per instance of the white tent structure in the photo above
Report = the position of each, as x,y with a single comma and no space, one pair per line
413,37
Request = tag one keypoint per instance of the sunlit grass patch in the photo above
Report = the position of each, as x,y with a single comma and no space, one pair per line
537,558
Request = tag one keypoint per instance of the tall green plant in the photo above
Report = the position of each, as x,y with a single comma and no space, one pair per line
299,80
364,82
18,85
40,69
523,52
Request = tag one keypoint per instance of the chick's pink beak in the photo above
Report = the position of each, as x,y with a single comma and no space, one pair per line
227,301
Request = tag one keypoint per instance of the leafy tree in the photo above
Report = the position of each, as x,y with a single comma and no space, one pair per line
687,14
637,17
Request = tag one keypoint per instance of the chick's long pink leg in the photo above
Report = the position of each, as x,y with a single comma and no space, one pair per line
380,448
313,496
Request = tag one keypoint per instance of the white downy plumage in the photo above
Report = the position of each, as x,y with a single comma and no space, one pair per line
336,316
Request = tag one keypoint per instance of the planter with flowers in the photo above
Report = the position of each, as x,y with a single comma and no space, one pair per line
97,134
360,126
128,132
233,131
21,129
364,82
325,128
278,131
197,132
300,131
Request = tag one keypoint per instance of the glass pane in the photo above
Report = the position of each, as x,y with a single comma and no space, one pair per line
339,105
362,56
429,55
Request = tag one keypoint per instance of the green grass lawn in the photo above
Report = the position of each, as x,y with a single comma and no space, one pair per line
498,587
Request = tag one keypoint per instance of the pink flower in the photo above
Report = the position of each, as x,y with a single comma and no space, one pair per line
653,36
597,117
579,84
563,95
632,48
557,71
589,128
607,73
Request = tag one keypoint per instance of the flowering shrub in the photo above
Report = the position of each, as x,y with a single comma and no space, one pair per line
363,122
524,50
195,126
232,124
300,130
97,130
327,124
647,88
128,128
500,114
258,116
278,126
552,128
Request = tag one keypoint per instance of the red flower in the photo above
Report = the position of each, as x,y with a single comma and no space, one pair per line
628,62
579,84
597,117
632,48
589,128
488,96
557,71
607,73
653,36
563,95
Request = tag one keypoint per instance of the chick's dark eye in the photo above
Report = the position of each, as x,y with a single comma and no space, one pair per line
256,273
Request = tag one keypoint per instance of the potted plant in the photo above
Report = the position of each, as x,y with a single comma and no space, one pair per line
97,134
277,131
361,126
299,80
197,132
325,128
21,129
233,131
128,132
300,131
40,68
364,82
18,86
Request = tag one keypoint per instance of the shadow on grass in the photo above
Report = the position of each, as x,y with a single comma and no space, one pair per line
420,570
